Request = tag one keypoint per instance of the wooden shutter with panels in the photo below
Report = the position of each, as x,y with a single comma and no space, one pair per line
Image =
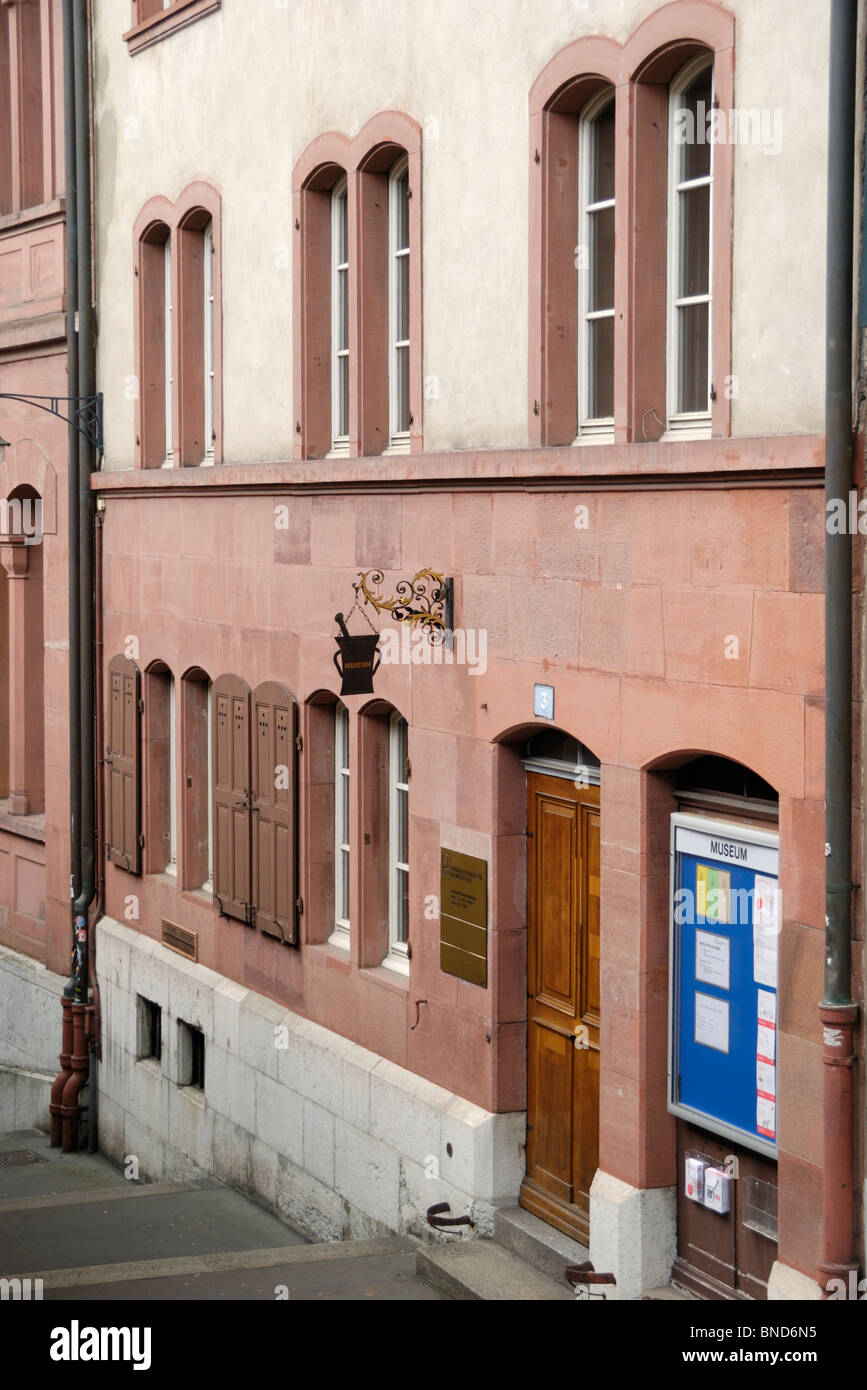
123,766
273,811
232,797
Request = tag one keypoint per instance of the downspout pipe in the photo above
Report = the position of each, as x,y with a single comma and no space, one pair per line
79,1060
838,1012
71,194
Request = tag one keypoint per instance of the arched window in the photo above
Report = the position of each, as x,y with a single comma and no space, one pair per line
398,844
690,196
155,346
179,330
398,305
340,934
340,318
596,268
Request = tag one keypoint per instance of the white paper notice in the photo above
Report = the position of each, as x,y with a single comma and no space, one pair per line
765,955
767,1006
766,903
766,1116
712,955
712,1022
766,1043
766,1078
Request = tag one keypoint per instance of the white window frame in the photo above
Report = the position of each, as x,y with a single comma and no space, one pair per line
340,936
398,951
168,355
172,866
208,278
686,424
595,429
398,439
339,203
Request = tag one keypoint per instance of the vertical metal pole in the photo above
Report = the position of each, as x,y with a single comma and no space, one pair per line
837,1011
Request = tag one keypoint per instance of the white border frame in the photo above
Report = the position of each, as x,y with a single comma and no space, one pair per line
398,951
398,440
697,424
729,830
339,195
593,429
208,366
340,935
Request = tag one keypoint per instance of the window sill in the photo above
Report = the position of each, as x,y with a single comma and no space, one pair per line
159,26
581,441
401,446
29,217
391,979
193,1093
29,827
339,940
150,1064
397,964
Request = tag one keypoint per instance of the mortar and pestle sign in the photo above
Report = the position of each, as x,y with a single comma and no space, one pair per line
360,658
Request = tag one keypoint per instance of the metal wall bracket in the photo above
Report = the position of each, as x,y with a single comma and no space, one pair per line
85,415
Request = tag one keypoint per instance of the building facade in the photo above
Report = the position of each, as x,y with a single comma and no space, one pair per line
442,294
34,620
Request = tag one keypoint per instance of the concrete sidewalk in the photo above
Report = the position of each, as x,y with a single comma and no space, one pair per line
75,1222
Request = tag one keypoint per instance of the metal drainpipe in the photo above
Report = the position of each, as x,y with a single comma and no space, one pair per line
86,385
837,1011
55,1106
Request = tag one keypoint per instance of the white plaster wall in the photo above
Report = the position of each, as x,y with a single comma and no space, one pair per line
236,98
340,1141
30,1038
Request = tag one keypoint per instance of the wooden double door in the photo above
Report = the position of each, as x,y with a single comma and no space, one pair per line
563,864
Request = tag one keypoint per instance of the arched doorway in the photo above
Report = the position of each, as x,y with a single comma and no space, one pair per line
726,1241
563,992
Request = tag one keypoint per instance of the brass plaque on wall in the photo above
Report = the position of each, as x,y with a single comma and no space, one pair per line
464,916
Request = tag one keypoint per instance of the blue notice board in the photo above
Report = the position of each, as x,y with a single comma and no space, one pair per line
725,926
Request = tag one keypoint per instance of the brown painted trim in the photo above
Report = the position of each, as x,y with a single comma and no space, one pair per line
366,161
182,220
640,70
791,460
147,32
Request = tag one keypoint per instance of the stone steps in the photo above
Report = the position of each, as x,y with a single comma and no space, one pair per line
540,1245
483,1269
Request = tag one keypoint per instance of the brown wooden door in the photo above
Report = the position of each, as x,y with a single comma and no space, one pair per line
273,811
563,1002
123,766
231,765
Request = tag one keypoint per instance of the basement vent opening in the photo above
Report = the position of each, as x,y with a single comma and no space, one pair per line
186,943
18,1157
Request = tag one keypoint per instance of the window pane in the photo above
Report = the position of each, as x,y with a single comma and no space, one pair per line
602,259
601,365
602,146
694,269
402,826
401,327
401,219
343,310
402,922
341,229
401,414
342,421
695,152
343,894
693,321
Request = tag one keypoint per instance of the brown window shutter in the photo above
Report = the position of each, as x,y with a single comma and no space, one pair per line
273,814
123,766
231,773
